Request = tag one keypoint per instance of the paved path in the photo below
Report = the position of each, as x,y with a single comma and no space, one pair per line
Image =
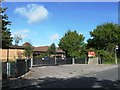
39,76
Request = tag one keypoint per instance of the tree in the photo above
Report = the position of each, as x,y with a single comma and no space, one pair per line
105,36
17,38
83,50
108,57
104,39
5,37
28,51
52,49
71,43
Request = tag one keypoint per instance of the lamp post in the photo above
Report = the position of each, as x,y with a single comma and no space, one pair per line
116,47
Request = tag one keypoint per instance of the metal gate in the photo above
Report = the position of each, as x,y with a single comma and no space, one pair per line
51,61
15,69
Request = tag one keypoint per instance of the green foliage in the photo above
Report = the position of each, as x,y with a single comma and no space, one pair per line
118,60
71,43
42,55
5,37
108,57
52,49
104,35
11,60
83,50
104,39
28,51
17,38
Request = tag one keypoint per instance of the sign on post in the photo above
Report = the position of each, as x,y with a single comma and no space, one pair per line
116,47
91,54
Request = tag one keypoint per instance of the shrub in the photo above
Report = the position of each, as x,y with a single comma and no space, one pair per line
118,60
107,57
42,55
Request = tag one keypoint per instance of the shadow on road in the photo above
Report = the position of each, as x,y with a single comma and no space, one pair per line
48,82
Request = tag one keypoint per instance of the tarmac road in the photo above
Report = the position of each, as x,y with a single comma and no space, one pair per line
105,79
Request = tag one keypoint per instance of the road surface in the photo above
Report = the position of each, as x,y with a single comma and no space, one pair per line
97,77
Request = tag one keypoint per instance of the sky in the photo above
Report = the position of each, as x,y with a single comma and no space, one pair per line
44,23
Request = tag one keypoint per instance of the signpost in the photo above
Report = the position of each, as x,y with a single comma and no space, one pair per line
92,59
91,54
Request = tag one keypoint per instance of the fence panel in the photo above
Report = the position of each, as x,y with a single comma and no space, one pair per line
60,61
46,61
4,69
68,61
80,61
12,69
37,61
28,64
15,69
21,67
51,61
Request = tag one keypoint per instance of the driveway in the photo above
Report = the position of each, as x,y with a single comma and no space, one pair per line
43,77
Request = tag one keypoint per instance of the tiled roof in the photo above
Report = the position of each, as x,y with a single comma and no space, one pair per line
16,47
59,50
41,48
26,43
45,48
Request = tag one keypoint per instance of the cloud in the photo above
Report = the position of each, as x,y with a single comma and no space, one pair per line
23,33
33,12
54,37
80,33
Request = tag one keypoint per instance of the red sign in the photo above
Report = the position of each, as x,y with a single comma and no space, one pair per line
91,54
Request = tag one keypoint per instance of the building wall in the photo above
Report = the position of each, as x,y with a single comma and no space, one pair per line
13,54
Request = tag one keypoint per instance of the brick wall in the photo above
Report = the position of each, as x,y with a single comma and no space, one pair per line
13,54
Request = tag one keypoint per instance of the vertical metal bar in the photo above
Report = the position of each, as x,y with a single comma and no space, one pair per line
31,62
85,61
73,60
7,62
26,65
7,70
55,61
115,56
